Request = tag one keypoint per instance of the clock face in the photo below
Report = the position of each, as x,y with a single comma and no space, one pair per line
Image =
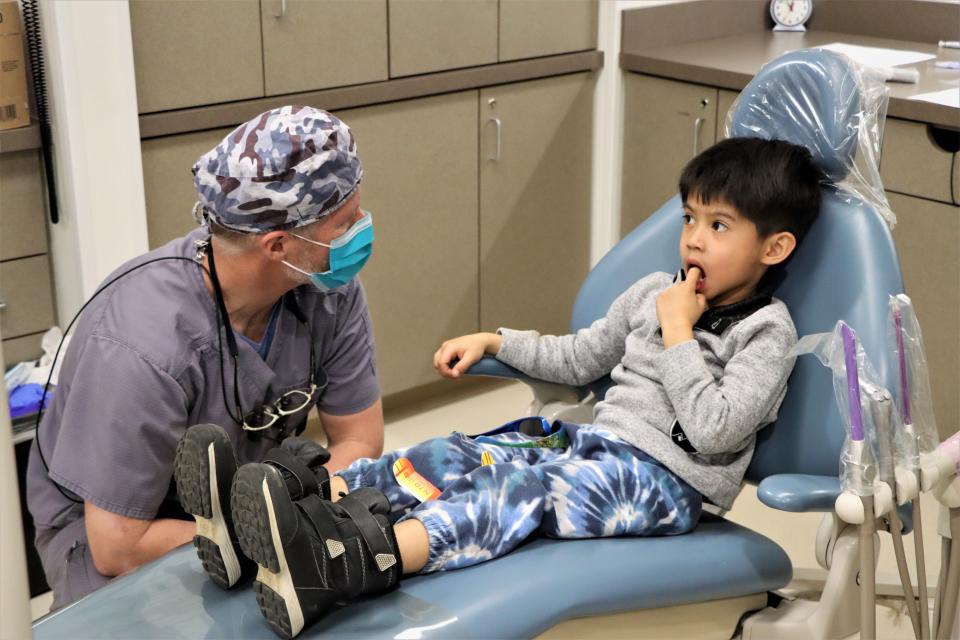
791,13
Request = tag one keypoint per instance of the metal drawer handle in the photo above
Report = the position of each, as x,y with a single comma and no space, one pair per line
495,157
697,125
283,9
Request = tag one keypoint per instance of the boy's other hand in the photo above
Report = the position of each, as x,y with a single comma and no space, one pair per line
679,307
455,356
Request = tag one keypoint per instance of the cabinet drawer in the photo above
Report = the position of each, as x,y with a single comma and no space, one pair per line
23,348
531,28
168,185
431,35
25,287
22,228
340,57
914,164
192,53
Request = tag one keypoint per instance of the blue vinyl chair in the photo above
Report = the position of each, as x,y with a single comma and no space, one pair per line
845,269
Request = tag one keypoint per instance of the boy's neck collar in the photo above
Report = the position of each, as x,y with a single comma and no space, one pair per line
715,320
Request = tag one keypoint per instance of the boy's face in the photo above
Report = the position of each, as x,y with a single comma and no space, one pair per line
728,249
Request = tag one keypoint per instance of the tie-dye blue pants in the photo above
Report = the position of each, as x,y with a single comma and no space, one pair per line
597,486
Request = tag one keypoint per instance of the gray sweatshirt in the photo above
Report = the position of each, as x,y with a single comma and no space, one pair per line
715,391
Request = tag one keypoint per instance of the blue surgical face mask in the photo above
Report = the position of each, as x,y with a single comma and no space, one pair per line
348,253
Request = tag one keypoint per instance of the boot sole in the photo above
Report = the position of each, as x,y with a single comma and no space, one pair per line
198,486
258,492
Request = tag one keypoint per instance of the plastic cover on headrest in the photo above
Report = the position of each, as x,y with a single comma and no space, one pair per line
828,103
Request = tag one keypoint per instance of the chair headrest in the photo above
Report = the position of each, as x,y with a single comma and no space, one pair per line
809,97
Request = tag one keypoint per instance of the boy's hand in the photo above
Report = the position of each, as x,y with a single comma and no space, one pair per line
679,308
457,355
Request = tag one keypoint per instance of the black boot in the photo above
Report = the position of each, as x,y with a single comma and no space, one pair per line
311,553
203,470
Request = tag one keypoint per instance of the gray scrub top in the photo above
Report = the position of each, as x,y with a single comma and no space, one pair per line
144,364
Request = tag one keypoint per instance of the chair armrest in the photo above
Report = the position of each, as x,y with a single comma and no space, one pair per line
802,493
493,368
544,391
799,493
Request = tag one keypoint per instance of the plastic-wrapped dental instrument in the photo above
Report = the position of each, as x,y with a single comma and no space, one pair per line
855,388
914,401
851,133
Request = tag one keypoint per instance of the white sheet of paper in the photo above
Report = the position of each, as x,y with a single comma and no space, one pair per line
947,97
877,56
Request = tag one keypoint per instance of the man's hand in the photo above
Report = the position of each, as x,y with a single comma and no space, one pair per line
679,308
457,355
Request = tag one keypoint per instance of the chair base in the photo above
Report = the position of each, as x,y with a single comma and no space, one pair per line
835,616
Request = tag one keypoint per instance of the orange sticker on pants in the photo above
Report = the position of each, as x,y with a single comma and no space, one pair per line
412,481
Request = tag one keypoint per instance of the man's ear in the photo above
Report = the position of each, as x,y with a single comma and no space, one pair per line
778,248
273,245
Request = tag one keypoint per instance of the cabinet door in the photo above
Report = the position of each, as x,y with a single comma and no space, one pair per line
535,168
665,124
927,237
22,216
353,50
531,28
432,35
23,348
25,288
191,53
420,183
725,100
168,183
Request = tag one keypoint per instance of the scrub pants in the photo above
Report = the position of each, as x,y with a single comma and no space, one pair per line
598,486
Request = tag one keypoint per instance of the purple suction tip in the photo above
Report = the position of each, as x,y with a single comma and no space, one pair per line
904,387
853,381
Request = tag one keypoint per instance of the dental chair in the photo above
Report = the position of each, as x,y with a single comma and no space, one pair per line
845,269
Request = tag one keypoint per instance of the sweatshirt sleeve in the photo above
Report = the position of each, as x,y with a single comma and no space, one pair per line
720,415
579,358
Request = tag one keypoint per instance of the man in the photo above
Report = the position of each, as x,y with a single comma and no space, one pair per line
245,323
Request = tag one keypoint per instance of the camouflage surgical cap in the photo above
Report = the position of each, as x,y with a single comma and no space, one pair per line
285,168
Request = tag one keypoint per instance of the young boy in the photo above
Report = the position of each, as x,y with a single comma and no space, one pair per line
698,366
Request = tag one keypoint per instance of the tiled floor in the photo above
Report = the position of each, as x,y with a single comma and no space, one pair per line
474,411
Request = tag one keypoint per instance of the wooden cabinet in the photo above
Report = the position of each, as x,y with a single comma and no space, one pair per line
193,53
531,28
535,168
927,237
22,218
316,44
921,161
420,184
430,35
25,289
168,183
666,123
26,285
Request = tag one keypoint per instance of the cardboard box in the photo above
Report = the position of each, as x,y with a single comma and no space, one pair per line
14,110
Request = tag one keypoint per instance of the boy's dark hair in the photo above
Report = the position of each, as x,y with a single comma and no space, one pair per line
772,183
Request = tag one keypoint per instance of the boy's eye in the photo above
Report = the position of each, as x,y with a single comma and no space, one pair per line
687,218
719,226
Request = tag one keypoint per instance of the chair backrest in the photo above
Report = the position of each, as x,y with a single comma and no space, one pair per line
845,268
